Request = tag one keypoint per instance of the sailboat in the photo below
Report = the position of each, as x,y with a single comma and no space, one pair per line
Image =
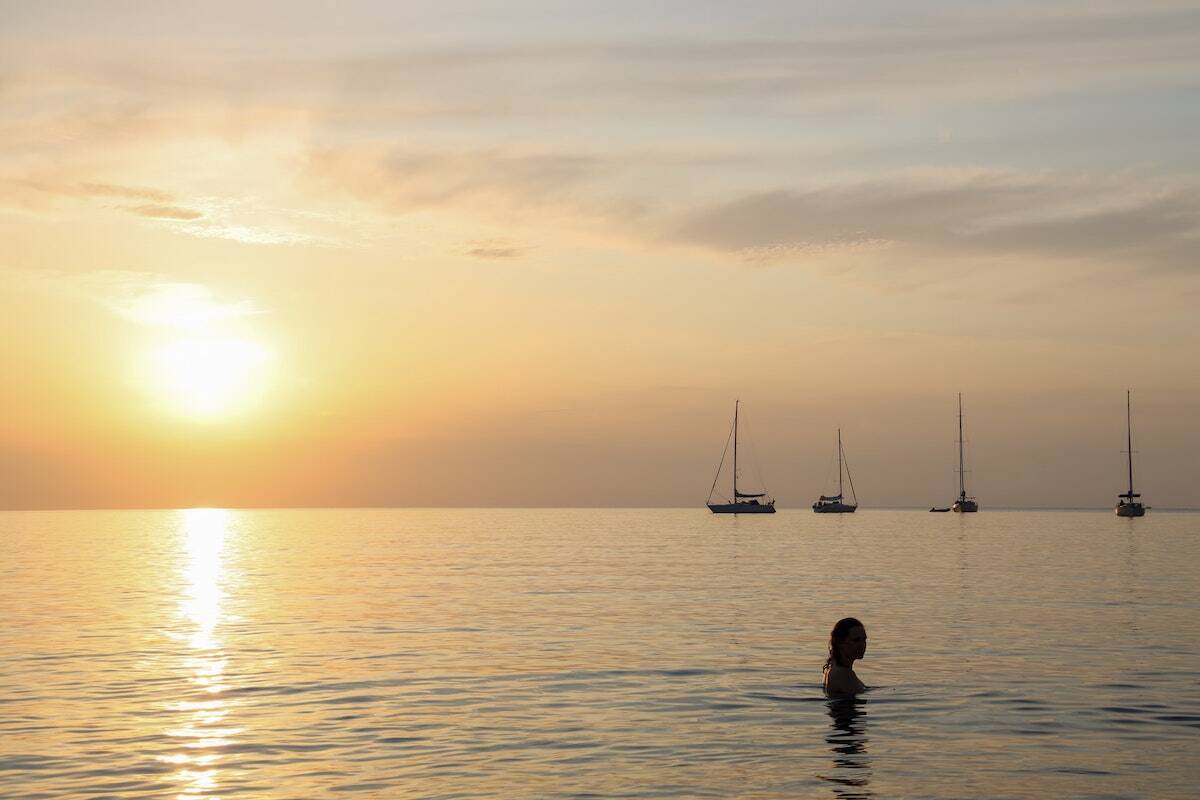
964,504
743,502
834,504
1127,504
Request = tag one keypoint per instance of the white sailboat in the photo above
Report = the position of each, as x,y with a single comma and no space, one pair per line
964,504
741,502
834,504
1128,504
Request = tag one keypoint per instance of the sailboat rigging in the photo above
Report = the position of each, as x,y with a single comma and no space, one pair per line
834,504
1128,504
742,502
963,504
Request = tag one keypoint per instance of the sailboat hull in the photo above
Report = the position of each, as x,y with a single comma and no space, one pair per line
742,508
965,507
1130,510
833,508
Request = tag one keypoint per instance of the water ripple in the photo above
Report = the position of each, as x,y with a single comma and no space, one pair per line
271,655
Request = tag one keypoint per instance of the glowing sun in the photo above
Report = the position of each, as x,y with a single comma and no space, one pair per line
208,376
203,362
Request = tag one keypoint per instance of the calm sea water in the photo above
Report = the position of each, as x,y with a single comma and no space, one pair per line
595,653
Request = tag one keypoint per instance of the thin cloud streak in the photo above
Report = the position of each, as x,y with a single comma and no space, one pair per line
164,212
405,180
1051,216
115,190
496,251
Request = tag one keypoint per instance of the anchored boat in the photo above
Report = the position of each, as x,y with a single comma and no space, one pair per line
835,504
1128,504
741,502
964,504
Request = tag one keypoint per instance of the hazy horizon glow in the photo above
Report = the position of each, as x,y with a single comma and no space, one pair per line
529,254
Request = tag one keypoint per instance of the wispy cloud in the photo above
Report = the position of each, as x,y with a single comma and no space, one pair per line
933,54
177,305
162,204
495,250
146,298
256,234
409,179
164,212
248,221
1051,216
115,190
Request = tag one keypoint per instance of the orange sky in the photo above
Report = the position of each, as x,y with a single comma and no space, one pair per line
487,255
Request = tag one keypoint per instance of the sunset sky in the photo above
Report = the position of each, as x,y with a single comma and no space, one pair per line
528,254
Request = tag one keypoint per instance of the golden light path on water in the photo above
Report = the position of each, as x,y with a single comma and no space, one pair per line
204,729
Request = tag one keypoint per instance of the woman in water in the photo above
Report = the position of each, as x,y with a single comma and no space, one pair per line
847,644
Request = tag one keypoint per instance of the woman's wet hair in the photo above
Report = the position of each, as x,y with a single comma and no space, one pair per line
841,630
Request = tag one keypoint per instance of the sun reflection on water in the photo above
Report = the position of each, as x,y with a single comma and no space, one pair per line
203,728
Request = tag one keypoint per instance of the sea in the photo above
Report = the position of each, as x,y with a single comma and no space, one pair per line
596,653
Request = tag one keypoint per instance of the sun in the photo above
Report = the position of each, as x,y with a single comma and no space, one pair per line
208,377
203,360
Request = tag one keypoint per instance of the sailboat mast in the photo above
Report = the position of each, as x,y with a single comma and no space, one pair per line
839,463
735,438
962,479
1129,441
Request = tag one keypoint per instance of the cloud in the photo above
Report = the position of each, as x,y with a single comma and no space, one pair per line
1136,220
116,190
242,220
258,234
977,57
1051,216
495,250
490,192
164,212
186,306
946,55
145,298
35,191
408,180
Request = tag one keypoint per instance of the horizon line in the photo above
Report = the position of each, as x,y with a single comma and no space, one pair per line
1184,509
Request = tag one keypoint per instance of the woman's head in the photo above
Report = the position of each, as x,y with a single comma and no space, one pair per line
847,642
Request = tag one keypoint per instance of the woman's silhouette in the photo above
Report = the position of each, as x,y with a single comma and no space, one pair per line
847,644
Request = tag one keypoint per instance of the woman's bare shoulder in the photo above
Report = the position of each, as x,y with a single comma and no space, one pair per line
842,680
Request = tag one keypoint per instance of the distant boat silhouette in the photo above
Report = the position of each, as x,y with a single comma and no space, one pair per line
937,510
964,504
742,502
834,504
1127,504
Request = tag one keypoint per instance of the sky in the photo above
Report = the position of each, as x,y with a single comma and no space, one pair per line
530,253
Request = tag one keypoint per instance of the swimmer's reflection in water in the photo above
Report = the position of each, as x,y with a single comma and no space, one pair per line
847,740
